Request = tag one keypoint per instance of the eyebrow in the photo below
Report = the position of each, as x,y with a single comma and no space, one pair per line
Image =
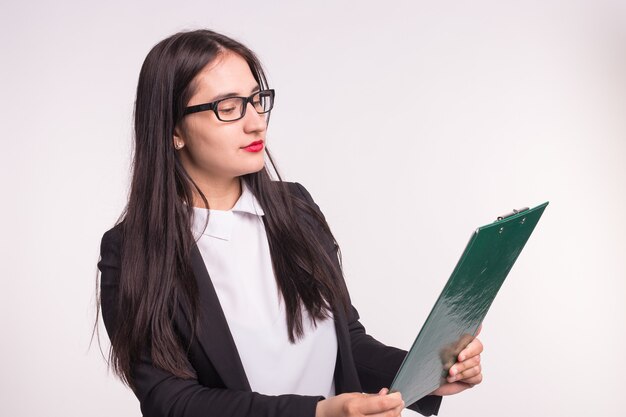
221,96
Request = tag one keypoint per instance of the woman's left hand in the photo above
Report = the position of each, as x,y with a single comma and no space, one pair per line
466,372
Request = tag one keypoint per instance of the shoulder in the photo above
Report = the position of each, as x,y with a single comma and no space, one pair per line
110,247
311,214
304,203
298,191
113,236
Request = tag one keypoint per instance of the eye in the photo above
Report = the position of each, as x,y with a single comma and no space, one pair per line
227,110
229,106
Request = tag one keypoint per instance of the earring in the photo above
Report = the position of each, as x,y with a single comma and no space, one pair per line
178,145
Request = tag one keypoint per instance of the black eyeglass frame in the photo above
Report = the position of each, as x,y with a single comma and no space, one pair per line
213,105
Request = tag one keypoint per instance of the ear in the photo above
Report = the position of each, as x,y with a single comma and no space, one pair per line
178,141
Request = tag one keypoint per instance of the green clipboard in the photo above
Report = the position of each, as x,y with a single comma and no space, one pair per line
464,302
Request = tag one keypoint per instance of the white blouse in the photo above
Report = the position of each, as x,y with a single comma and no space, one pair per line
236,253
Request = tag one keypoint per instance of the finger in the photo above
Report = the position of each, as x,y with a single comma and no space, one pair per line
380,404
459,367
474,348
475,380
468,373
392,412
389,413
383,391
451,388
398,410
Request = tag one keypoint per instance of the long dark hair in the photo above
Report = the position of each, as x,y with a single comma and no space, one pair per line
155,276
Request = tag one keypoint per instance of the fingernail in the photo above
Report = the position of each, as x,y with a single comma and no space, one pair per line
452,371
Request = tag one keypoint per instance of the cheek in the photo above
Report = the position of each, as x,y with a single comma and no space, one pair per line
215,151
212,140
218,152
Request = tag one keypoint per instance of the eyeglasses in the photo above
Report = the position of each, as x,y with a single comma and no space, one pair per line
230,109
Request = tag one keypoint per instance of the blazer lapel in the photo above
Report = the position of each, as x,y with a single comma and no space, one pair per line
346,377
213,333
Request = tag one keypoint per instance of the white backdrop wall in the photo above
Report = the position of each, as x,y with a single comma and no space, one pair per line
411,123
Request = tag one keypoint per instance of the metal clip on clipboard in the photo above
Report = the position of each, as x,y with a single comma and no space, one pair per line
513,213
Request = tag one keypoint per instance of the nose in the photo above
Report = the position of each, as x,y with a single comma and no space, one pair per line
253,121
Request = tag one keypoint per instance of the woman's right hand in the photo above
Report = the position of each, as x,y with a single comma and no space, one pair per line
356,405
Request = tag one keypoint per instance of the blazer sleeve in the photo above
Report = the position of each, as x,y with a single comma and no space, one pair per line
376,363
162,394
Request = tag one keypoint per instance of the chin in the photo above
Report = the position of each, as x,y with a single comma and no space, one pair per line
254,168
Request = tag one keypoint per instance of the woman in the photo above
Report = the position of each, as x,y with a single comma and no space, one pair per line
221,289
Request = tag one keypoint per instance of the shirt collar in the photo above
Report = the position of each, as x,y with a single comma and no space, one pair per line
221,221
247,202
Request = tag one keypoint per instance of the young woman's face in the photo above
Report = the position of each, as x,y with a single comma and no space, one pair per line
213,150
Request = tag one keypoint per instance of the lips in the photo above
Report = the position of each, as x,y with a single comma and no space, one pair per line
255,146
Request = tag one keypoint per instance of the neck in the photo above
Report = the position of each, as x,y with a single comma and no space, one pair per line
221,195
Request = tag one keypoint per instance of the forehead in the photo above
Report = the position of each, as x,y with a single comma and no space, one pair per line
228,73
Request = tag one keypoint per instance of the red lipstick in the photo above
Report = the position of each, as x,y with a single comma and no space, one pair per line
256,146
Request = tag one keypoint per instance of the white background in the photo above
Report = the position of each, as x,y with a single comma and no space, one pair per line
411,123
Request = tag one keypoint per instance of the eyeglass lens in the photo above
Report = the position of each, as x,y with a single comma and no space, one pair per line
234,108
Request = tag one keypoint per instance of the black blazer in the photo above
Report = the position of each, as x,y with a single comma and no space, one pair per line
221,387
